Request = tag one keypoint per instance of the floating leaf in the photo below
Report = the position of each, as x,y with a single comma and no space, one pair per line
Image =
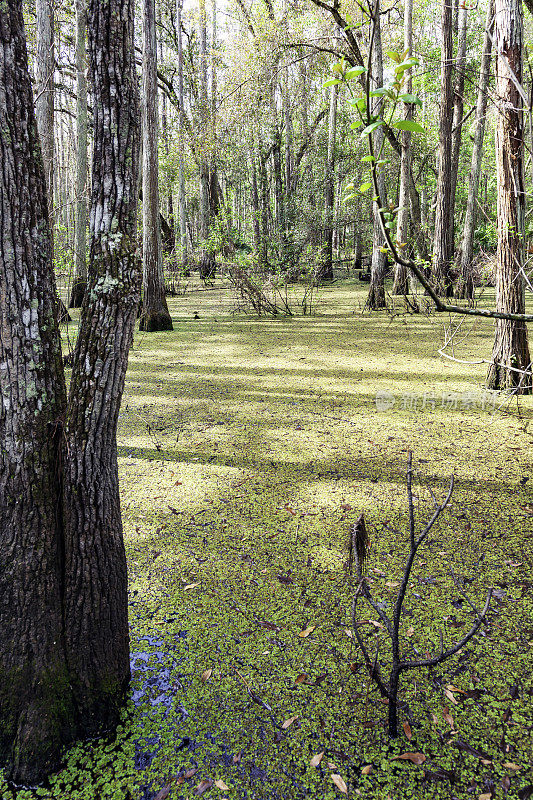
206,675
485,796
221,785
315,761
190,773
307,632
392,584
203,786
416,758
510,765
339,783
447,716
191,586
366,770
407,730
410,631
163,793
237,758
302,678
288,723
450,696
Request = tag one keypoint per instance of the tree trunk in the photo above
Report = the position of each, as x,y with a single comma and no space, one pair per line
325,267
443,247
182,206
466,283
402,231
80,241
511,367
36,712
207,260
376,295
458,109
154,315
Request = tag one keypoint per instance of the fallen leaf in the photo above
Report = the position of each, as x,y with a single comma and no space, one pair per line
447,716
339,783
237,758
391,584
348,633
416,758
506,783
203,786
331,765
178,483
366,770
288,723
290,510
206,675
163,793
485,796
410,631
304,634
486,762
190,773
346,507
407,730
302,678
450,696
453,688
191,586
510,765
221,785
315,761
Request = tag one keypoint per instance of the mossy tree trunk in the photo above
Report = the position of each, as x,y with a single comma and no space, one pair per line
511,367
35,703
324,271
154,315
64,652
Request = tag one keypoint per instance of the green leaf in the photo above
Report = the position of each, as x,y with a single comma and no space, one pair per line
410,98
372,127
331,82
354,72
365,187
396,57
408,125
368,158
356,124
383,92
409,62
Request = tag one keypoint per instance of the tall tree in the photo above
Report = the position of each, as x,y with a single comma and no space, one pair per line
80,240
402,229
207,258
63,602
182,205
45,90
511,367
442,246
154,314
465,287
458,109
376,295
325,266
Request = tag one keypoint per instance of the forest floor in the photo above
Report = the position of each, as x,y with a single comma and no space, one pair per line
247,449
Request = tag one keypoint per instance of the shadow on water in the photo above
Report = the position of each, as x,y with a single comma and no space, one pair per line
157,686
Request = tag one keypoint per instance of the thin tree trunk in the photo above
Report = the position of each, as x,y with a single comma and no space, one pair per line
154,315
466,283
80,241
458,109
325,266
376,295
510,354
442,246
402,231
182,207
207,261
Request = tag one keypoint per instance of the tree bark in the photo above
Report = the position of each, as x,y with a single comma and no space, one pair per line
36,712
182,205
400,285
207,258
442,246
511,367
458,109
466,282
80,241
376,295
325,267
154,314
